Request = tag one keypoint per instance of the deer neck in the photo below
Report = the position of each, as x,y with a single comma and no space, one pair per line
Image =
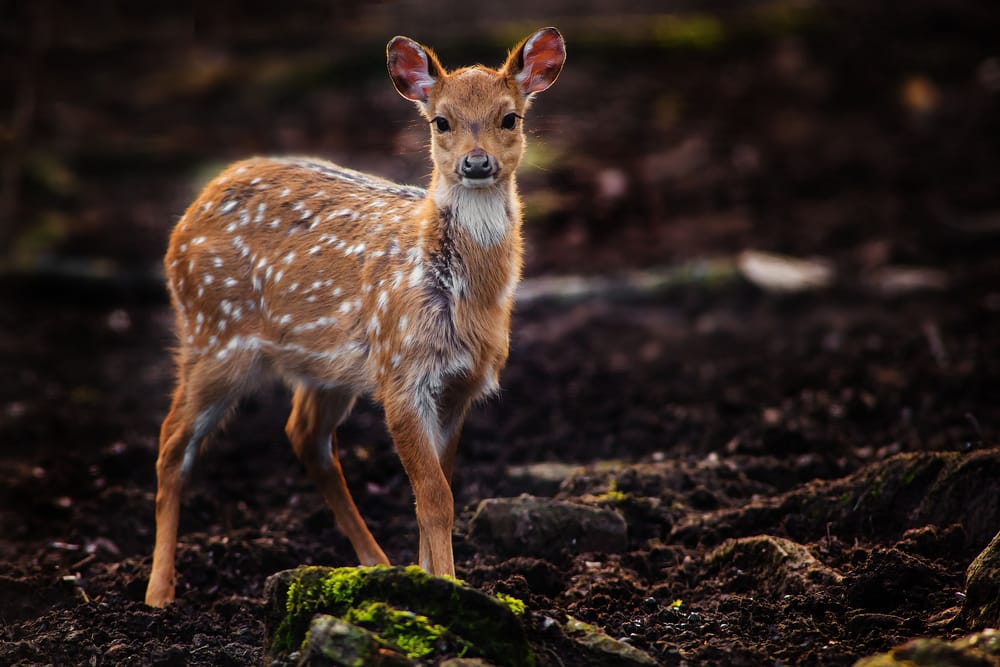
480,231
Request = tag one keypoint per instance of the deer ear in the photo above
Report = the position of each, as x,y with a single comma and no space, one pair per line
535,63
413,68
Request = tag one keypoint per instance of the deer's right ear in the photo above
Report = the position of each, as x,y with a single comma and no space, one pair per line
413,69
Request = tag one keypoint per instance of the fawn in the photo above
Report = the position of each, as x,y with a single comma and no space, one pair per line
339,284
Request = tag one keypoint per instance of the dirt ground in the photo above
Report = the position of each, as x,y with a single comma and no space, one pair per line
717,409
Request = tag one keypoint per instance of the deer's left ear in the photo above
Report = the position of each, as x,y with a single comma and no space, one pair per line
535,63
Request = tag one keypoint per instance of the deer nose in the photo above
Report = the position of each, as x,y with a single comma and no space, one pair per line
477,164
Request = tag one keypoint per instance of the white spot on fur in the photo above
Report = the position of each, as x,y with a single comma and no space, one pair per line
320,323
416,275
228,206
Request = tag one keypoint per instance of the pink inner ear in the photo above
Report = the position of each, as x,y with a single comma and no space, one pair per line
544,54
408,64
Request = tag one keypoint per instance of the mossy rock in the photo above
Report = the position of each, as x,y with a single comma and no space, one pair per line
331,641
981,607
406,610
978,650
599,648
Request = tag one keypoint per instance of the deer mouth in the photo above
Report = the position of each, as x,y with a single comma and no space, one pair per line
473,183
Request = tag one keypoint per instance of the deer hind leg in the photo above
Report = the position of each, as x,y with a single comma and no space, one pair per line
193,416
311,429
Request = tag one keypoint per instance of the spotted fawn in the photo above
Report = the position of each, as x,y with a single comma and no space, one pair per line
339,283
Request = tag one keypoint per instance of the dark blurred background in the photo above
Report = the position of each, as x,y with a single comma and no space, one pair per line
786,216
865,133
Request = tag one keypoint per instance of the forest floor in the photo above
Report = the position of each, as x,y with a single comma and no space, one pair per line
805,476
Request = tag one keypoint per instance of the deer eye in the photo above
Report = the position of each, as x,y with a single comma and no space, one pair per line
509,121
442,124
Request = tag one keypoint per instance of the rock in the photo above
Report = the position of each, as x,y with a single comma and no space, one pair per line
540,527
784,567
600,649
978,650
331,641
779,273
406,611
981,607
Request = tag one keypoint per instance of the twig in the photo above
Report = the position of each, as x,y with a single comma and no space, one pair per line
933,334
83,561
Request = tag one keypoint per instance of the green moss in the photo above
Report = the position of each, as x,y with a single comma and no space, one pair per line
337,588
414,634
515,605
405,608
613,495
316,589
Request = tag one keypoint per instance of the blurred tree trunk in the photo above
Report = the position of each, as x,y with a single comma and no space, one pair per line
29,49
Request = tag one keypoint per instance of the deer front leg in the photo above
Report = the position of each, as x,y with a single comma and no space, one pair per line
415,428
452,410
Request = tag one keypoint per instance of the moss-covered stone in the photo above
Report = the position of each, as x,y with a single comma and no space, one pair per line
414,634
404,608
331,641
978,650
602,648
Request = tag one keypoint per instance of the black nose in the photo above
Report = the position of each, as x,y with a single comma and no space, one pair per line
477,164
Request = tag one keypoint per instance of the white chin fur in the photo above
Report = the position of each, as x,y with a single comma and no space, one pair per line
478,182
